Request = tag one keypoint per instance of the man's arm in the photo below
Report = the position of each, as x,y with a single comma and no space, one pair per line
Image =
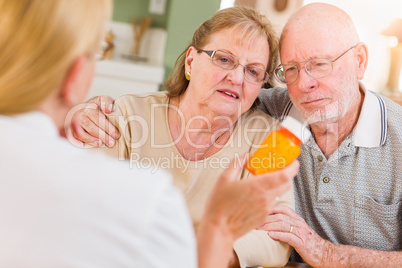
286,226
350,256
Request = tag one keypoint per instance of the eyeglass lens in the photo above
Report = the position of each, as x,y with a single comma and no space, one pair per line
317,68
229,62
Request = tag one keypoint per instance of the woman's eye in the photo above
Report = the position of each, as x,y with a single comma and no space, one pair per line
253,72
224,60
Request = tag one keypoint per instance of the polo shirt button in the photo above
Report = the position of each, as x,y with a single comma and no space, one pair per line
325,180
320,158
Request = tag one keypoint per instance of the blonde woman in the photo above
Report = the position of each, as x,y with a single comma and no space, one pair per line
61,207
204,119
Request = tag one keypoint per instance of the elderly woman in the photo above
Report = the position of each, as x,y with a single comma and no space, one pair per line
205,118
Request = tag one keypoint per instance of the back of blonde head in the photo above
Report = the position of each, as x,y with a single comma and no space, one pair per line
250,23
39,41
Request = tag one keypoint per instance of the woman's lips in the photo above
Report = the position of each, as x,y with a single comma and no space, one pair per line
229,93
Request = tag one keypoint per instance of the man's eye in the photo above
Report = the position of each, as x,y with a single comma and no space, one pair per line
290,69
319,64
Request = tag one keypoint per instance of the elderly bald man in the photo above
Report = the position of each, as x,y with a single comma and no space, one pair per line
349,187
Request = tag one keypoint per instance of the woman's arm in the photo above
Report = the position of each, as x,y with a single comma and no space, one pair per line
236,207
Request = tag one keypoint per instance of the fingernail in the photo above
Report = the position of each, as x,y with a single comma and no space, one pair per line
110,108
111,142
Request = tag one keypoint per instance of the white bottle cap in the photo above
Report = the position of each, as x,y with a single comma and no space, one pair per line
297,128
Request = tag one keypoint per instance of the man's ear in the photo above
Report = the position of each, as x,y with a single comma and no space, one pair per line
75,82
362,59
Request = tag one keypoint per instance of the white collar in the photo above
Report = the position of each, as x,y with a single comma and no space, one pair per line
37,120
371,128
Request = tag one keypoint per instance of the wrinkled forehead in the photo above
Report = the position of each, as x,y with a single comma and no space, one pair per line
241,35
303,40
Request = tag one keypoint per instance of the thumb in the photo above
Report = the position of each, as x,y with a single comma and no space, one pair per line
105,103
232,173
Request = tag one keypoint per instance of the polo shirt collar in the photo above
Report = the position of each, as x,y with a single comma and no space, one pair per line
371,128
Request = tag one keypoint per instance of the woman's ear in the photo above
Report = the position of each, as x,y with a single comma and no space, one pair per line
362,59
77,81
189,58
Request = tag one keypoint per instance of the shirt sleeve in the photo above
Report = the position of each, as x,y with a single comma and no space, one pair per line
256,248
273,101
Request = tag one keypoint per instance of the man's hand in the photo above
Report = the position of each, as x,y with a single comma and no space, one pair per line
88,123
286,226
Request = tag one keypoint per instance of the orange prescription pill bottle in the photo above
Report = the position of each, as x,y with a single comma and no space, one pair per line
280,148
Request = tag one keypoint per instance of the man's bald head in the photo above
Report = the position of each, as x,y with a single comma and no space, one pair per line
321,21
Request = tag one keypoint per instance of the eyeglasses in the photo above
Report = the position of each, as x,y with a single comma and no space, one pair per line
317,68
227,61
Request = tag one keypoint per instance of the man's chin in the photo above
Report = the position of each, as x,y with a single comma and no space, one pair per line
319,117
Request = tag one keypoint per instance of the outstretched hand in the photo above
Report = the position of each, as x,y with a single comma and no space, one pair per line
236,207
88,124
286,226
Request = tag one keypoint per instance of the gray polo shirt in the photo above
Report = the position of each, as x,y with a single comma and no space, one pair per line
354,197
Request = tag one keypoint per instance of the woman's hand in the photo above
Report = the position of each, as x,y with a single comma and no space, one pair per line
236,207
89,124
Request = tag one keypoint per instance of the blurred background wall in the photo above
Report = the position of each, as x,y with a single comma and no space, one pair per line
182,17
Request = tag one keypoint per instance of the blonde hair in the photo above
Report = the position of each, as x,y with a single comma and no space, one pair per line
250,23
39,41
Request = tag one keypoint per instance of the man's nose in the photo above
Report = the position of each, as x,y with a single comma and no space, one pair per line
305,81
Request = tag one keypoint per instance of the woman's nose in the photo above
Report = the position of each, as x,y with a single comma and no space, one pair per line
236,75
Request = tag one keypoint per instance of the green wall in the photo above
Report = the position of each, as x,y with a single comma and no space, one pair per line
180,20
125,10
183,19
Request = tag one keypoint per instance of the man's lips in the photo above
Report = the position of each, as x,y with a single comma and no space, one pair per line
314,102
229,93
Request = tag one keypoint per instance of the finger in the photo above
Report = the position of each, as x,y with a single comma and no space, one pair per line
292,169
268,202
291,238
95,114
277,226
80,134
285,210
70,137
232,173
279,190
276,178
269,220
105,103
95,123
